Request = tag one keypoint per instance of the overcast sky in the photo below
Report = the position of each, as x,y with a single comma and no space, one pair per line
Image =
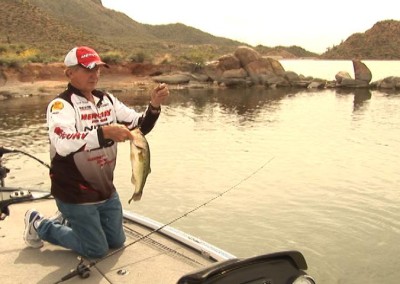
312,24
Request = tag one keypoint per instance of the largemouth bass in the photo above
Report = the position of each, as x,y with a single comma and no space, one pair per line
140,160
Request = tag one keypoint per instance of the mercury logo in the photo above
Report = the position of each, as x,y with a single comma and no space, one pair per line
88,55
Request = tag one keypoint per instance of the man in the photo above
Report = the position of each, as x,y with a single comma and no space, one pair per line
84,126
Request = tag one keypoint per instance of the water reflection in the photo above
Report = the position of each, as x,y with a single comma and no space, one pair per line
361,95
325,160
22,122
21,112
233,101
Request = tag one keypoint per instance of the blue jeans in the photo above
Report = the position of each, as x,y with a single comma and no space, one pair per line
92,229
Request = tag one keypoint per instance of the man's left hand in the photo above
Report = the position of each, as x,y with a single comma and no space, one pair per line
159,94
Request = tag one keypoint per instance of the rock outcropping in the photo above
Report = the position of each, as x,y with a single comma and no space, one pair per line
246,67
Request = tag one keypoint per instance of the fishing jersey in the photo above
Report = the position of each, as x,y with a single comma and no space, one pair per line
82,160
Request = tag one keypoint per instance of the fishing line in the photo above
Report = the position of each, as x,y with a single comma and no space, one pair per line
83,269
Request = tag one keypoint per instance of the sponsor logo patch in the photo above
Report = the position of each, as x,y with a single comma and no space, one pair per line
57,106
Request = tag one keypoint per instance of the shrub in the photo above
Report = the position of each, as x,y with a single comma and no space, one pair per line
139,57
112,57
11,61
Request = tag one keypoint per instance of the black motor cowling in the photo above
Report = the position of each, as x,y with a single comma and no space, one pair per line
276,268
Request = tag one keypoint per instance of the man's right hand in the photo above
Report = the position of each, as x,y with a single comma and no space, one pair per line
117,132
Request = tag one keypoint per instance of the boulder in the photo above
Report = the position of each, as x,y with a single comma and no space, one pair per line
391,82
361,71
291,76
234,73
274,80
352,83
246,55
257,68
212,70
228,62
236,82
316,85
342,75
276,66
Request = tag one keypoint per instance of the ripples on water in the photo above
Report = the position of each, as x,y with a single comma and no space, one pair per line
315,172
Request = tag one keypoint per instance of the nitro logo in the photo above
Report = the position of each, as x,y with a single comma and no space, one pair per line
85,107
70,136
93,116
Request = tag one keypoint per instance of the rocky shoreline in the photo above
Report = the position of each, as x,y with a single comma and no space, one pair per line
245,68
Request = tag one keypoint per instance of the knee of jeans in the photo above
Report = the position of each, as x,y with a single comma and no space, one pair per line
96,252
118,243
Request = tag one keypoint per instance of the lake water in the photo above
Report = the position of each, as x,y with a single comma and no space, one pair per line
307,170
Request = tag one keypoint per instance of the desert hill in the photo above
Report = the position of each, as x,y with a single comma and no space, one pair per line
42,30
381,42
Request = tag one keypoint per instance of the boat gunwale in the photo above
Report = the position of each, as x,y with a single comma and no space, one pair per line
204,248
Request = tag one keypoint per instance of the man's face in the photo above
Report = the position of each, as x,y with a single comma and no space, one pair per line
84,79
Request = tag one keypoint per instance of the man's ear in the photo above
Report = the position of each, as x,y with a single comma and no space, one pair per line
67,72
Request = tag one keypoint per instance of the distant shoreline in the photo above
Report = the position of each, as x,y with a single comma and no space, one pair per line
110,83
48,79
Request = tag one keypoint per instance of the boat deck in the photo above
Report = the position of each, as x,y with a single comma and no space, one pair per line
153,259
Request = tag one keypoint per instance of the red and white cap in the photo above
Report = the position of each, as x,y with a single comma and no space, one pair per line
83,56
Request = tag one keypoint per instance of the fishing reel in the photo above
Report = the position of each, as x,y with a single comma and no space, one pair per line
83,270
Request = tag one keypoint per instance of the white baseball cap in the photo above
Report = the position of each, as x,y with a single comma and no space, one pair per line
83,56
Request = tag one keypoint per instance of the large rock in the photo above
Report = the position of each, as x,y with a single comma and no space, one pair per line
246,55
213,71
361,71
342,75
391,82
274,81
228,62
362,76
276,66
234,73
245,63
259,67
352,83
291,76
237,82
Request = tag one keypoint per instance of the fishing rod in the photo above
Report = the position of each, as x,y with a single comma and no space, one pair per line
83,269
16,195
6,151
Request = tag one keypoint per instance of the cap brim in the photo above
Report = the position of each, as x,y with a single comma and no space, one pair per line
103,64
93,64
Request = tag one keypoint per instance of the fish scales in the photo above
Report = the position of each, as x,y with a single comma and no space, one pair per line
140,160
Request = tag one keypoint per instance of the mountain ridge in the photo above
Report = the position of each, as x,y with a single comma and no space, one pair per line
49,28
